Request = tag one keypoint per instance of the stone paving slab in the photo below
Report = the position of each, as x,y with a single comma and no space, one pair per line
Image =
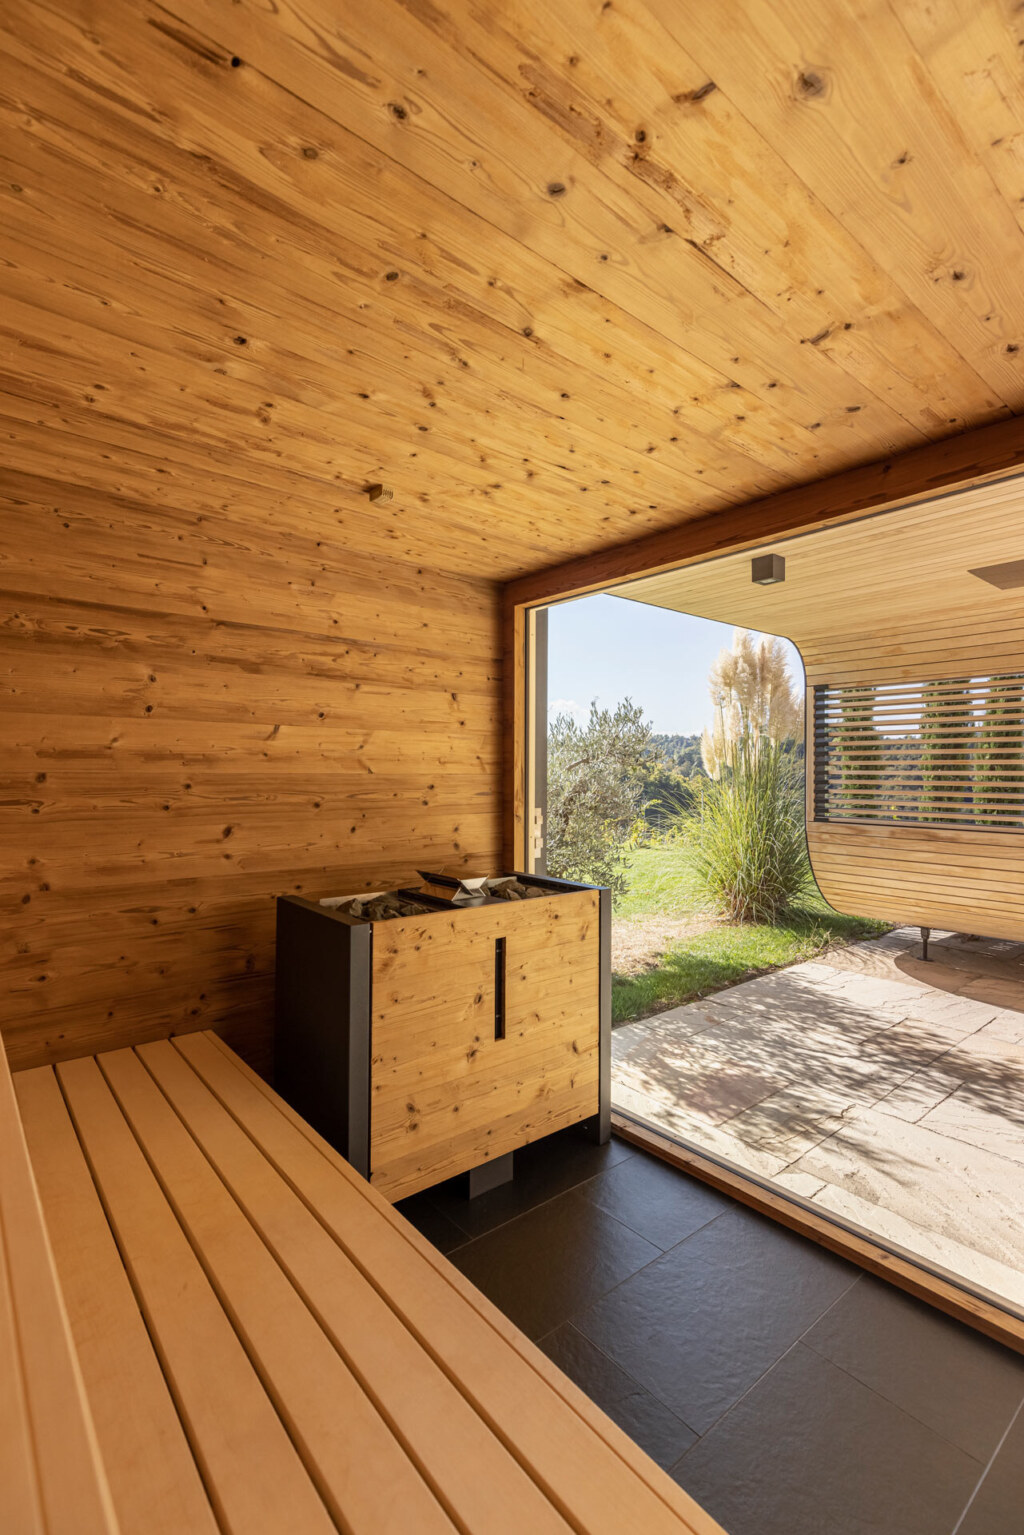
977,1270
945,1185
963,1117
865,1080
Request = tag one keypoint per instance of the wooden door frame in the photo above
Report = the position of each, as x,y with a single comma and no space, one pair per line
957,463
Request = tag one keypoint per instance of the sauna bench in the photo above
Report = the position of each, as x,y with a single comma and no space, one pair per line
264,1344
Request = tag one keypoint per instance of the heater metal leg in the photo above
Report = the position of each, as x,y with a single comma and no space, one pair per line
489,1175
926,933
598,1128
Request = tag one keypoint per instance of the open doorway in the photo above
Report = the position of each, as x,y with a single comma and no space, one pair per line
822,1054
632,737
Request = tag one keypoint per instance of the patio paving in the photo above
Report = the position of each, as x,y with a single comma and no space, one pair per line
887,1090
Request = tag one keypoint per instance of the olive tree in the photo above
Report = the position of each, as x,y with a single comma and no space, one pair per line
596,793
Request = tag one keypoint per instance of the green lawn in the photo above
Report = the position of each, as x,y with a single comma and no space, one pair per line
662,883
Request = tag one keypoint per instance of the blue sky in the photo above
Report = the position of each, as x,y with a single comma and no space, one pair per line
609,648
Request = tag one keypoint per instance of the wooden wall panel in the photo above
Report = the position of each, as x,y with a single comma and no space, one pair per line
194,721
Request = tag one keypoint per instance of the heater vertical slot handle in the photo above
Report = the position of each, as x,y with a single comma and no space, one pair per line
499,988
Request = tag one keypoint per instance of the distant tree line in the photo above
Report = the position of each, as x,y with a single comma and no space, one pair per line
679,752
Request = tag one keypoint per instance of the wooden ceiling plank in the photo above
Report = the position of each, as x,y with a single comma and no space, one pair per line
902,582
623,91
362,214
107,106
49,280
908,562
196,388
952,464
61,361
840,95
972,53
463,133
49,438
313,189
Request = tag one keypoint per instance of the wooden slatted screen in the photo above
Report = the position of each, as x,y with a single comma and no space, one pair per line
943,752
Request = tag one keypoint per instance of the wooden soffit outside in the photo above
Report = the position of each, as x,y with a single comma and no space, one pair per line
909,568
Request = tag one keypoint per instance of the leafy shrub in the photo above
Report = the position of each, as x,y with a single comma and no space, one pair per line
596,793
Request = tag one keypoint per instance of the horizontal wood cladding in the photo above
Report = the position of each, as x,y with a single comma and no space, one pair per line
954,877
195,721
535,270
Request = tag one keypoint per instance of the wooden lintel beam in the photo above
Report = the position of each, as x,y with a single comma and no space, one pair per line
968,458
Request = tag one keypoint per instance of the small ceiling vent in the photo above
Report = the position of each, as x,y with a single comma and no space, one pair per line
1005,576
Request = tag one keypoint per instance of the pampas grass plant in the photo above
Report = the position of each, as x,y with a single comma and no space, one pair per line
748,846
748,842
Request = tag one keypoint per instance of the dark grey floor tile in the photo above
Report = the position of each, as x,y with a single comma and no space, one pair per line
645,1419
543,1170
959,1383
431,1222
658,1201
697,1327
811,1451
998,1504
553,1261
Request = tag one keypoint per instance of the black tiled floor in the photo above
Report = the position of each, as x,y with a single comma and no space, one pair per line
998,1506
650,1196
957,1382
811,1449
664,1436
698,1326
788,1391
549,1264
543,1170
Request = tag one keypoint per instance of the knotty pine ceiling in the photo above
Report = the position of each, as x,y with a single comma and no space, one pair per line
562,272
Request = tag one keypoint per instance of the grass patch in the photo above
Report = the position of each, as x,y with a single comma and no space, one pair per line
662,883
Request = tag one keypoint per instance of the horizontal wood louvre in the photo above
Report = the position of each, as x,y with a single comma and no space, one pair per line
933,753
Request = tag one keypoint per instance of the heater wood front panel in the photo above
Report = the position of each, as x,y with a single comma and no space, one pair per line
447,1094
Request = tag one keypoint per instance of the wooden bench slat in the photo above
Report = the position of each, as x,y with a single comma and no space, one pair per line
153,1477
20,1502
476,1478
589,1469
44,1393
255,1479
362,1471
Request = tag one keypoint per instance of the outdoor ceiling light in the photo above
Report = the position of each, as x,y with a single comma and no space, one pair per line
1006,576
767,569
